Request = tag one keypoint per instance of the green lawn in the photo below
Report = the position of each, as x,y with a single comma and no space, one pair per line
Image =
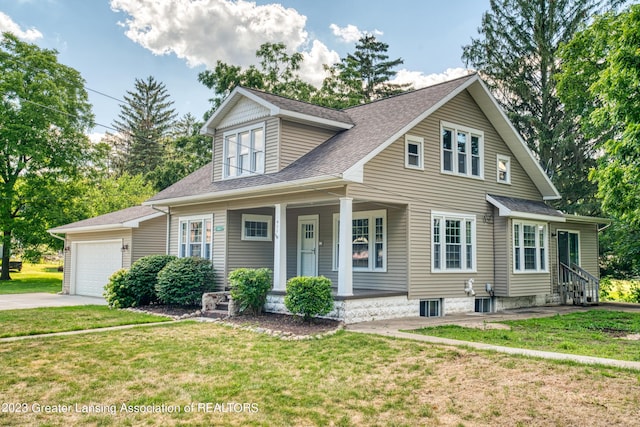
61,319
192,373
33,278
598,333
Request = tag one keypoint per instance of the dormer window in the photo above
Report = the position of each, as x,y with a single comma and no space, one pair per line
244,152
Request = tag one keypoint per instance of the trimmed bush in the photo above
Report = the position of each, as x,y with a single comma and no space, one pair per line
309,296
118,292
249,288
184,280
143,277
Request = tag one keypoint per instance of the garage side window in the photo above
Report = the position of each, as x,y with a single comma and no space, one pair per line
195,238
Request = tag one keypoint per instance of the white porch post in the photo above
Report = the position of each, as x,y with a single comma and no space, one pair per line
280,248
345,264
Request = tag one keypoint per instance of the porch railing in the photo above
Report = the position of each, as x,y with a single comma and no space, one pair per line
578,286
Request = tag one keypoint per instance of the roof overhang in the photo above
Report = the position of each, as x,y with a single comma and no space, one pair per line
586,219
505,211
285,187
133,223
227,105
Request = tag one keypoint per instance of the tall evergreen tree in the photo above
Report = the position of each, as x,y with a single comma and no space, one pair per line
144,120
362,76
517,55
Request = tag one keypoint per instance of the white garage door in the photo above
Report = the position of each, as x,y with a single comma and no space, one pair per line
94,263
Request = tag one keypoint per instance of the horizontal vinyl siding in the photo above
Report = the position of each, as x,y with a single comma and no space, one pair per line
298,139
501,245
150,238
247,253
386,178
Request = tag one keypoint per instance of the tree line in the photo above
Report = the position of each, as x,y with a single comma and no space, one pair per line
565,72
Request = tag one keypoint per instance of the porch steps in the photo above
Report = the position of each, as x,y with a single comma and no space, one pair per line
215,305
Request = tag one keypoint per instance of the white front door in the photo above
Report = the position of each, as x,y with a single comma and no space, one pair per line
308,245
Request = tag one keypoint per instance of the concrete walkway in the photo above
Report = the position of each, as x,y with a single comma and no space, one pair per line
41,299
394,328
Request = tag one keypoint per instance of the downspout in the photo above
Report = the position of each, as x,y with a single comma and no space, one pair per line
56,236
168,213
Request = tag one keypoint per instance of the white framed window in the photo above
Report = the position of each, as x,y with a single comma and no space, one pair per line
413,152
256,227
453,242
243,151
503,166
482,305
530,243
195,236
462,150
369,241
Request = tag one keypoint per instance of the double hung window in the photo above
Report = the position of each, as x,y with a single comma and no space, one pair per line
244,152
453,238
368,237
196,237
462,150
529,247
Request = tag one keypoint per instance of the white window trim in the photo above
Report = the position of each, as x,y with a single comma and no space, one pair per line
507,160
416,140
522,223
193,218
443,216
257,218
472,132
237,132
371,215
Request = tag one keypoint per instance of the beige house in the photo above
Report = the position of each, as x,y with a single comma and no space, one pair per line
425,203
97,247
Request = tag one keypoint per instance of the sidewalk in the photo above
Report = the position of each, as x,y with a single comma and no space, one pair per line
393,328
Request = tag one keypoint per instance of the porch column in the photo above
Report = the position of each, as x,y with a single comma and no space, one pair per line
345,263
280,248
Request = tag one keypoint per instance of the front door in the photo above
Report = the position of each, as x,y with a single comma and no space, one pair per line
569,248
308,245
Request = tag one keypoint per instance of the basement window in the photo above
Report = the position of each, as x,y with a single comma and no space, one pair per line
431,308
483,305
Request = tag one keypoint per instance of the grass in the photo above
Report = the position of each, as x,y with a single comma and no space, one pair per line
596,333
33,278
36,321
209,374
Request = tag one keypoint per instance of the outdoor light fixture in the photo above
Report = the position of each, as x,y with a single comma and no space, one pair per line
124,248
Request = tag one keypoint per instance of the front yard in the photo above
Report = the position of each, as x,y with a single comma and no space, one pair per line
33,278
192,373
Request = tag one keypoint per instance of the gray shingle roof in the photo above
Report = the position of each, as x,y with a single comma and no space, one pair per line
527,206
115,219
373,125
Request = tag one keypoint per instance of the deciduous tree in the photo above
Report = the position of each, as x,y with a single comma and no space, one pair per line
44,114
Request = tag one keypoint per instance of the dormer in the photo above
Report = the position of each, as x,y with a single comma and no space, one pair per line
259,133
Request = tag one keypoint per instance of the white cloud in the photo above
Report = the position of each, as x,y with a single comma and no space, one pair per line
419,79
351,33
206,31
8,25
312,68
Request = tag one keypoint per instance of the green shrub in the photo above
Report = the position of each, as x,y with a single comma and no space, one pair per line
118,292
143,277
309,296
184,280
249,288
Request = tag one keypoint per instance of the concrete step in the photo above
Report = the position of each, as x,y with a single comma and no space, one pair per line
216,314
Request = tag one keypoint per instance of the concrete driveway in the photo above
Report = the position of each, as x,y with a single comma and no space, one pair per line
37,300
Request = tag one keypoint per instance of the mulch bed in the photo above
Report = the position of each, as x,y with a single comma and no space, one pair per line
287,324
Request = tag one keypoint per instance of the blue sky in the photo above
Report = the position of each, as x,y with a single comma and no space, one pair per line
113,42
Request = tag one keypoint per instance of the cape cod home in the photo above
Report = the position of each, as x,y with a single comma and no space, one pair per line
425,203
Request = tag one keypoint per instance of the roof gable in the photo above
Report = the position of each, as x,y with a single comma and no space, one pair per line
277,106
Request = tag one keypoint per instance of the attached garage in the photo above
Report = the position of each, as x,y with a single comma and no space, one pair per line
97,247
93,264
